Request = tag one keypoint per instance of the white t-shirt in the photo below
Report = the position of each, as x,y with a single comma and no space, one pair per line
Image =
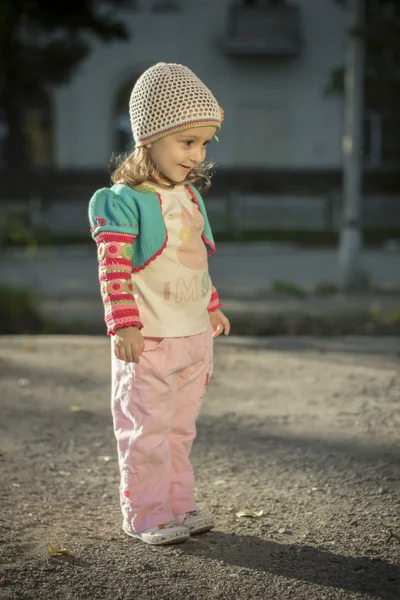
173,291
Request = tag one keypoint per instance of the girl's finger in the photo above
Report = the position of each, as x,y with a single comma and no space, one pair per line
128,354
117,352
122,352
227,327
218,330
135,354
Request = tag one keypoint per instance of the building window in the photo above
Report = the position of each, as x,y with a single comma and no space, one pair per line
381,144
123,139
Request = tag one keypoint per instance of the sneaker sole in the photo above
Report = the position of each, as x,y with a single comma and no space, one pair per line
164,542
202,529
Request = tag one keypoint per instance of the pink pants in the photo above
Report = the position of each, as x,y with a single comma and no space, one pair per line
155,405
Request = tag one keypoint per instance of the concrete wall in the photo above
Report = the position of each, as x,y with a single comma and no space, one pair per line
309,134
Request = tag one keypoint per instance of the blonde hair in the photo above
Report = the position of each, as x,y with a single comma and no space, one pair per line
138,168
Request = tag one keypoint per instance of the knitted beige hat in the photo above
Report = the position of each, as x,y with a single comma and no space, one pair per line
168,98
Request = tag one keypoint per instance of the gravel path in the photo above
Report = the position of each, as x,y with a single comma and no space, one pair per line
306,430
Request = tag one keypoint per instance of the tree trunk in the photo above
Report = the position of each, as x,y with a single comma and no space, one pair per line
16,155
13,105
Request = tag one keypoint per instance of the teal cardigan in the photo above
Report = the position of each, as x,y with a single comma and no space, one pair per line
122,209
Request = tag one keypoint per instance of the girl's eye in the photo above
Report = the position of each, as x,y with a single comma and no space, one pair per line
189,143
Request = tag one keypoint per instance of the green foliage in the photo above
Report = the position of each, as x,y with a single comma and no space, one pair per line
325,289
381,35
15,229
342,322
382,59
41,44
288,288
391,318
18,311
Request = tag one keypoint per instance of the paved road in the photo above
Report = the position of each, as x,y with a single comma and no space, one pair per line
304,430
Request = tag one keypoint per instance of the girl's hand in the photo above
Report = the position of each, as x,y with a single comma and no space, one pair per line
219,323
128,344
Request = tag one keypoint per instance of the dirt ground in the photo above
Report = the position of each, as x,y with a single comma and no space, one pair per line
305,429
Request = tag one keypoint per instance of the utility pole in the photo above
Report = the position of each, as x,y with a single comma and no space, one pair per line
350,242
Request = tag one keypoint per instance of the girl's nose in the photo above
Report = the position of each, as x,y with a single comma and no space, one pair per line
197,156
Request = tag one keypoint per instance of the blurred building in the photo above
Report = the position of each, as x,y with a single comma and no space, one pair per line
267,62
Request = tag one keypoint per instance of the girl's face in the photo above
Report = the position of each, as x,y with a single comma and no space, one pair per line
177,154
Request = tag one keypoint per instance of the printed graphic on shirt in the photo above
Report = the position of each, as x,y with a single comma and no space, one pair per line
192,253
187,290
190,290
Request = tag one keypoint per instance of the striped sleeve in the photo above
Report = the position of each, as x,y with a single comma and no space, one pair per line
114,252
214,301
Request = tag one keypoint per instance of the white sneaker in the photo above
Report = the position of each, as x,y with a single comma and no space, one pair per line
195,522
167,533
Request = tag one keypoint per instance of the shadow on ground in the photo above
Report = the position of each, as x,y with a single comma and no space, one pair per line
373,577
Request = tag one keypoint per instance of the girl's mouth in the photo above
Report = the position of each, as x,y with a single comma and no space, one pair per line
186,168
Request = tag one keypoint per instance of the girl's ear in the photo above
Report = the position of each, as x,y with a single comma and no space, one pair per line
148,147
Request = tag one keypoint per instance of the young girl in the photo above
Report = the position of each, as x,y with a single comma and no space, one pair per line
153,240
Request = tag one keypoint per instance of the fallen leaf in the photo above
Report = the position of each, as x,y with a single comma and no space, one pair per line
1,452
250,513
28,347
54,551
75,409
